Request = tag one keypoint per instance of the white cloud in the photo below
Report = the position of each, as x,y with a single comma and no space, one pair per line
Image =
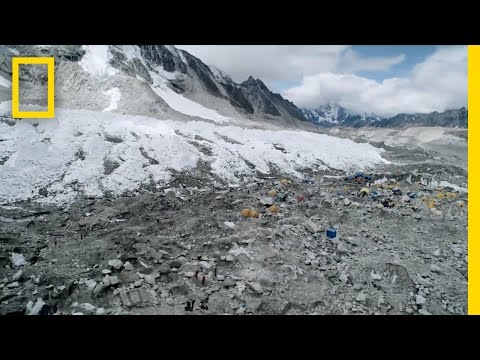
351,62
287,62
437,84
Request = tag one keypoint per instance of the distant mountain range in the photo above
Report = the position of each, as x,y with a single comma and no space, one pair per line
334,115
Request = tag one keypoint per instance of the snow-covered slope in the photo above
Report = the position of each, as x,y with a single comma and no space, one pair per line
96,61
186,106
131,117
92,153
4,82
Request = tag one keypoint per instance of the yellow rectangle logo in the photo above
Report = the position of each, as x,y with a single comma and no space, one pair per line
16,62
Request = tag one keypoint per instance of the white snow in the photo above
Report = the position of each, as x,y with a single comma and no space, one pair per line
453,186
186,106
96,61
115,96
434,184
4,82
34,309
6,107
303,150
69,155
230,224
219,74
180,103
415,135
87,307
237,250
18,259
171,49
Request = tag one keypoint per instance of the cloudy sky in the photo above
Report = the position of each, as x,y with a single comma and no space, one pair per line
384,80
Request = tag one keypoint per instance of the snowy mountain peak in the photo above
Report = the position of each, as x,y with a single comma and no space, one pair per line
334,115
220,75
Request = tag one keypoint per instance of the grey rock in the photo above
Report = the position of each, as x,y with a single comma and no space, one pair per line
253,304
127,277
256,287
266,201
150,279
241,309
346,202
343,277
361,297
312,227
124,298
358,287
375,276
458,249
423,312
87,307
115,264
138,297
135,297
128,266
164,268
138,283
229,282
266,282
106,280
175,264
17,276
342,249
436,269
100,311
420,300
217,303
114,280
352,241
99,288
90,284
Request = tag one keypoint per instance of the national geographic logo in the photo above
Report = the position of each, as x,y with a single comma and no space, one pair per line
50,62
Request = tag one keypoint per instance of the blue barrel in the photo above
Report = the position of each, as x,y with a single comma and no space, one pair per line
331,233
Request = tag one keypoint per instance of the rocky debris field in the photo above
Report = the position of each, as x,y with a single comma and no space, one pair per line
395,245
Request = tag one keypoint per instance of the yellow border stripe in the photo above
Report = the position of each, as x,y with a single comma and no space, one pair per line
50,62
473,180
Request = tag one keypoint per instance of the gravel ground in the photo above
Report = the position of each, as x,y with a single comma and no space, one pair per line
188,249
